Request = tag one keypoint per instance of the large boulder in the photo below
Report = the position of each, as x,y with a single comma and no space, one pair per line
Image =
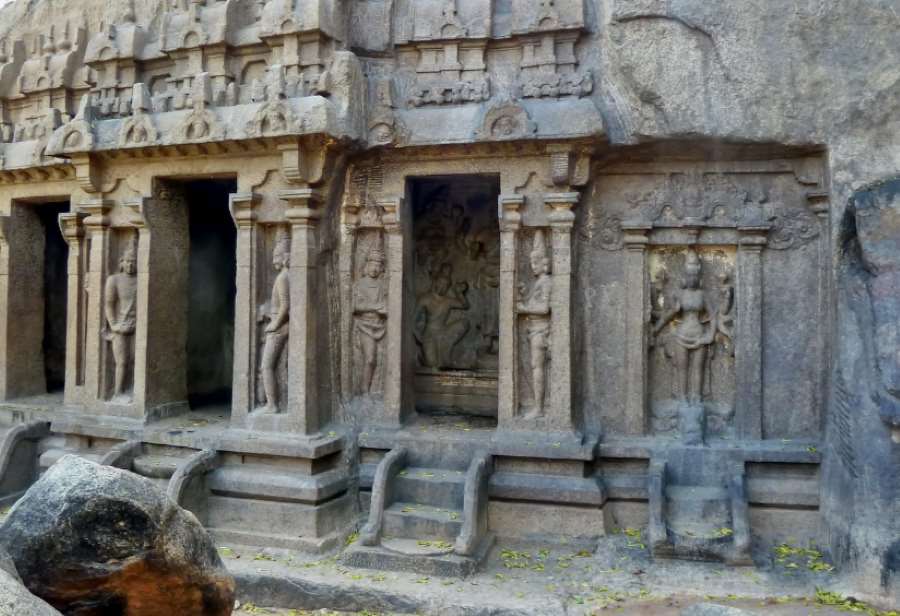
93,540
15,600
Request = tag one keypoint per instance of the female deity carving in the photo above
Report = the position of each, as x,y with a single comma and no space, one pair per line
370,314
694,331
534,306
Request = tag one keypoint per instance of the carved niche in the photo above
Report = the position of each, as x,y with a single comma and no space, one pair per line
369,303
456,281
691,340
533,315
273,324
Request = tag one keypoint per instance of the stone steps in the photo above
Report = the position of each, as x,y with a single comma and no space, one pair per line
417,521
431,486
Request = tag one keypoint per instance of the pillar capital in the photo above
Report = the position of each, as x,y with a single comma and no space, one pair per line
561,216
243,208
391,218
96,209
71,225
510,213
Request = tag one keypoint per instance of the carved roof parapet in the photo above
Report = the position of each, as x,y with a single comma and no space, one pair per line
55,61
120,40
287,17
449,20
531,16
191,24
77,135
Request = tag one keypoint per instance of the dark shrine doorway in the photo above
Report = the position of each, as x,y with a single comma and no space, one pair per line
456,265
55,282
212,270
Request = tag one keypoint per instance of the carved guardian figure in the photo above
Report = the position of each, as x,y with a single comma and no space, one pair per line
120,307
370,315
278,325
534,306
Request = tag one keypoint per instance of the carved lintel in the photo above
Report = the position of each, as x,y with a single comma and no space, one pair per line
71,225
96,209
561,216
391,218
510,213
243,208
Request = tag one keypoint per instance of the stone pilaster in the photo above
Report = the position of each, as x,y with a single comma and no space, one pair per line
246,305
303,413
397,373
637,319
71,225
559,390
749,334
508,390
21,304
96,355
346,265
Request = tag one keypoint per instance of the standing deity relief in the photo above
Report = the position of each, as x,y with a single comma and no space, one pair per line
275,319
120,319
534,309
692,331
370,315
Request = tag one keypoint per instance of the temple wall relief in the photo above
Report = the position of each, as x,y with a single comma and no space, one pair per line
704,287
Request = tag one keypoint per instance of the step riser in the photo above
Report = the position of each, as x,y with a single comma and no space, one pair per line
399,525
437,493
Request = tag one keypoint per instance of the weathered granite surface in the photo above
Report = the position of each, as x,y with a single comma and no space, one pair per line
644,251
89,538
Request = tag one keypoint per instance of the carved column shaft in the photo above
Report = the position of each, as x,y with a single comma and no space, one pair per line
637,320
21,304
508,390
749,333
72,228
246,341
302,407
96,377
346,267
397,374
559,393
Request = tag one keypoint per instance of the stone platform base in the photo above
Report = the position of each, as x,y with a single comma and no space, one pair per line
416,557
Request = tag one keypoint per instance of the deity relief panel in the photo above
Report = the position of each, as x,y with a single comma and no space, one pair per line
690,279
691,342
369,308
533,309
120,318
273,322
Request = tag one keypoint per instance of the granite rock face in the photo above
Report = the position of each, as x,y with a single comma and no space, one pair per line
15,600
92,540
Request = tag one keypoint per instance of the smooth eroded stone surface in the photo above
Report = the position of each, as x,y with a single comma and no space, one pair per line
93,540
711,609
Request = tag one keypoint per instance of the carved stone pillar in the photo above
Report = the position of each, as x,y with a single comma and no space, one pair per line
508,389
819,204
21,304
559,394
346,266
71,224
246,344
96,376
303,414
637,319
749,343
160,337
397,370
